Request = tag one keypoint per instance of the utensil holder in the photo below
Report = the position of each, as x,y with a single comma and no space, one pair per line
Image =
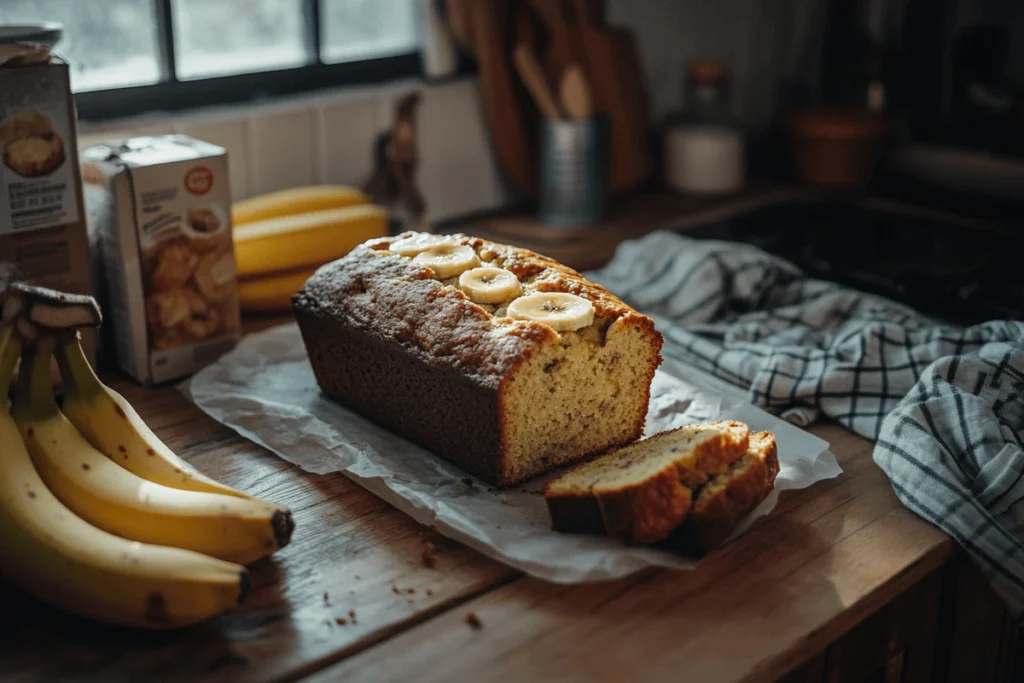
573,171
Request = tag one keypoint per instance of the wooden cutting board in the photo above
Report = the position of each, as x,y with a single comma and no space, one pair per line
460,20
633,75
502,102
615,78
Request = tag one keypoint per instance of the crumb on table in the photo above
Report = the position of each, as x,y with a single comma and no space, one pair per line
427,555
473,620
341,621
504,500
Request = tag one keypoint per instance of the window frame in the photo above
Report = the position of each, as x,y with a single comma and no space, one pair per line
172,94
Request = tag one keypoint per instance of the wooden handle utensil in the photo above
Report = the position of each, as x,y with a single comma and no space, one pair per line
574,93
533,77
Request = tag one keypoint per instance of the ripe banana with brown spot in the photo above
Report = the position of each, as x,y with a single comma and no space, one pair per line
110,497
53,554
113,427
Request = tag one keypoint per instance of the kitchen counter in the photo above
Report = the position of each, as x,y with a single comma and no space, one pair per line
780,600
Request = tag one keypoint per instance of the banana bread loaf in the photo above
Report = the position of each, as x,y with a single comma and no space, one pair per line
503,361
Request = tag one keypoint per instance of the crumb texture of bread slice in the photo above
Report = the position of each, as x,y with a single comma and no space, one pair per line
729,497
641,492
583,394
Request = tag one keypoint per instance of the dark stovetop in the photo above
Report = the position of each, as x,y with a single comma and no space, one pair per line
958,270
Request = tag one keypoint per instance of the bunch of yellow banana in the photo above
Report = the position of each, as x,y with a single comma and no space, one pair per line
97,515
283,237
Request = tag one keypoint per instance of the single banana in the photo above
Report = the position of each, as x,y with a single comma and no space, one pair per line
447,259
112,426
110,497
51,553
562,311
272,293
414,244
306,239
487,285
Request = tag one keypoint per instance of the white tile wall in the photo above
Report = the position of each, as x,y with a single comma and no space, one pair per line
282,150
346,131
457,172
330,139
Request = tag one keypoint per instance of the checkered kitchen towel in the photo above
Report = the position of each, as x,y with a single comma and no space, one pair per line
944,404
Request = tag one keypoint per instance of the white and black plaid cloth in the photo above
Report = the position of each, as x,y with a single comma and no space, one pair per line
945,404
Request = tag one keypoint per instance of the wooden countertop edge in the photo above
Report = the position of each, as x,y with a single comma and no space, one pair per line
785,663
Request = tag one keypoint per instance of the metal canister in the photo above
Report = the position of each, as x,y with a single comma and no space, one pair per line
573,171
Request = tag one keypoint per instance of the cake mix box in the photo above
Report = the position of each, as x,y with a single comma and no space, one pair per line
162,212
42,218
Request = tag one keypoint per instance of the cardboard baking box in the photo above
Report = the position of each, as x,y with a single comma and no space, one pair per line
162,212
42,218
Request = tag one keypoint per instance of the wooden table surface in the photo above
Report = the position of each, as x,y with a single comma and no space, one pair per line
823,560
755,610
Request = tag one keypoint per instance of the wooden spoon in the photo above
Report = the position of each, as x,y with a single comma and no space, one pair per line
574,93
533,77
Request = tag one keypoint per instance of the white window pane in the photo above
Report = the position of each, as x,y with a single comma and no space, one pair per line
109,43
364,29
223,37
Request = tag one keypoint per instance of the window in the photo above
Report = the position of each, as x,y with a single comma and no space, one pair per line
108,45
358,29
130,56
218,37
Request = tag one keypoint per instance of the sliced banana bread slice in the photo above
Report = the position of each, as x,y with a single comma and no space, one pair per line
641,492
729,497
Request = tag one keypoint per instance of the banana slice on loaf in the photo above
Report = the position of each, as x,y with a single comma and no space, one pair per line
447,259
487,285
641,492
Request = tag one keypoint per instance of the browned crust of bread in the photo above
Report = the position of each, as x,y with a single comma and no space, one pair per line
643,512
711,462
637,515
718,509
429,405
455,358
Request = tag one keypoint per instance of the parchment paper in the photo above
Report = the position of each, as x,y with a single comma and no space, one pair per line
265,391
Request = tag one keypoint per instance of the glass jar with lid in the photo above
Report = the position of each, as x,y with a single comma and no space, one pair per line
704,149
